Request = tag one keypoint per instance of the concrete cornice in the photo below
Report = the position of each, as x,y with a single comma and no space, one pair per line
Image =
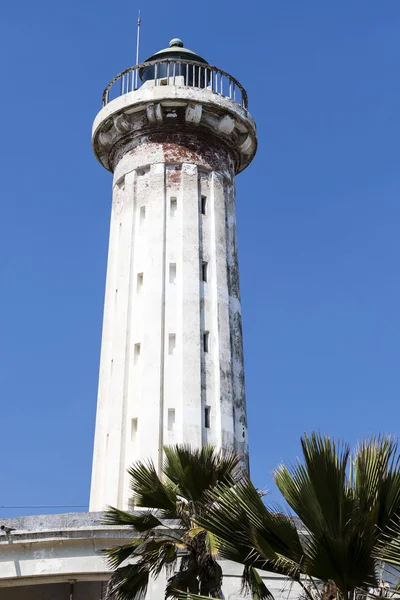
148,112
59,527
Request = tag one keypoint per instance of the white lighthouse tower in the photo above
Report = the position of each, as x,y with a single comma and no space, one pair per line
174,132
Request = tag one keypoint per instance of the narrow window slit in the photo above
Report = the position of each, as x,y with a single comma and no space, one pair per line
204,271
173,205
206,336
136,354
171,419
207,417
134,428
142,213
139,282
171,343
203,202
172,272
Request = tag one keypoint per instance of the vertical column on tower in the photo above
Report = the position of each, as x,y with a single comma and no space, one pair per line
235,326
210,332
153,319
114,362
219,284
191,421
144,344
174,352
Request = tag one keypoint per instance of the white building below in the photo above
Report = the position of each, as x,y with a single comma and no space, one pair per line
58,557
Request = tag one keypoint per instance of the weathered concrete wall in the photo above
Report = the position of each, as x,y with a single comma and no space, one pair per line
156,379
54,548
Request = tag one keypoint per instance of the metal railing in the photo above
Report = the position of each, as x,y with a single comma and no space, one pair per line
179,72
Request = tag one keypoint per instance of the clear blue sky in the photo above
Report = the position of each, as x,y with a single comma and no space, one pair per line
318,222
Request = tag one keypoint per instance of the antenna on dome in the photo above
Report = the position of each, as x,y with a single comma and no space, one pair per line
137,49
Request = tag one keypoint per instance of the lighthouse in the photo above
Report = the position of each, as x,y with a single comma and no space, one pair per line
174,131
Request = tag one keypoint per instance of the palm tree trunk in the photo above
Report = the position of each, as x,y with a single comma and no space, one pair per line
330,591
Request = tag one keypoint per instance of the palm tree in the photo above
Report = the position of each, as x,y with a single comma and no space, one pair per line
344,505
165,533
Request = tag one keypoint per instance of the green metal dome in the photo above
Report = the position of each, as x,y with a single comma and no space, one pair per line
177,50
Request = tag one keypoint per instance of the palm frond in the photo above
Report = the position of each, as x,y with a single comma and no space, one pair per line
116,555
184,581
140,522
195,471
391,553
159,555
377,479
316,489
377,485
148,489
212,544
129,583
246,531
388,547
253,584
